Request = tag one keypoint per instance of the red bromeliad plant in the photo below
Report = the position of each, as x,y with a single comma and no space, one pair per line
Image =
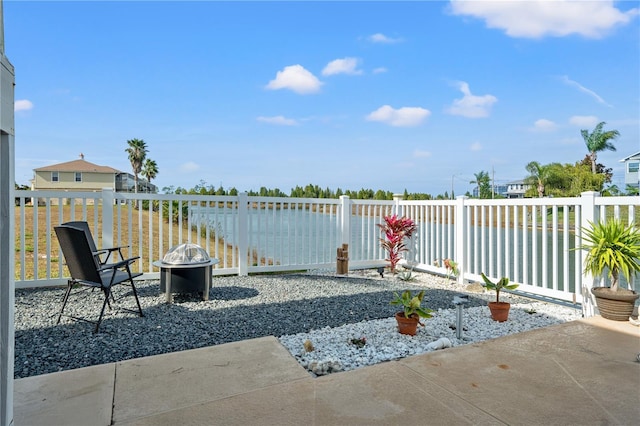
395,229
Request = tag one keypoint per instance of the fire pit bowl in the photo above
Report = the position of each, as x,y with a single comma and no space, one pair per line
185,268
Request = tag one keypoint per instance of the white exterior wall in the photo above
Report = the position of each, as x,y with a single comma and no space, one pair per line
7,232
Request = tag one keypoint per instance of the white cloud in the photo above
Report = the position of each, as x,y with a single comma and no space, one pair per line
279,120
342,66
297,79
23,105
583,89
540,18
584,120
189,167
421,154
470,105
402,117
379,70
476,146
381,38
544,125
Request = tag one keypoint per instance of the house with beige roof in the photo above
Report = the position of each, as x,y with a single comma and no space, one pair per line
82,175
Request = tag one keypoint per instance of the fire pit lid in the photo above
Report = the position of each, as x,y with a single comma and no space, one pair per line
186,254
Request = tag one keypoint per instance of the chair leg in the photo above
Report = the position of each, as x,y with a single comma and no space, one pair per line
107,293
135,294
64,300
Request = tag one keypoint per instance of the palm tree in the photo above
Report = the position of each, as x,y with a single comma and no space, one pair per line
597,141
483,184
149,169
539,175
137,153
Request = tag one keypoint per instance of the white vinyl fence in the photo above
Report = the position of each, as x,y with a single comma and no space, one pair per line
531,241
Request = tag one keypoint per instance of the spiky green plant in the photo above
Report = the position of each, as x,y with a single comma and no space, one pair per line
498,285
412,304
611,246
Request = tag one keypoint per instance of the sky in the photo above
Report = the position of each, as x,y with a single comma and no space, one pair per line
417,95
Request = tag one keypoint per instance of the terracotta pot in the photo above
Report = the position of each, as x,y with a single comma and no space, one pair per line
499,311
615,305
407,325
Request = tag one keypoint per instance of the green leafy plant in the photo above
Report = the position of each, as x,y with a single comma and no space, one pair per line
411,304
395,230
406,276
502,283
452,268
611,246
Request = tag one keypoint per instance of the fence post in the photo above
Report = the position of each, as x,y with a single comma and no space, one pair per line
397,206
345,219
243,234
460,234
108,200
589,214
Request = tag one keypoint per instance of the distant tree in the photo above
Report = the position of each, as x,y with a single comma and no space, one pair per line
597,141
611,191
632,190
600,168
483,183
382,195
562,180
137,151
570,180
538,176
149,169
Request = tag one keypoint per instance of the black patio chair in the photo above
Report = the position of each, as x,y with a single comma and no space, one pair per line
85,272
104,254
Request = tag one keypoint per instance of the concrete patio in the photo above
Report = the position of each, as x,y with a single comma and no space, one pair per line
584,372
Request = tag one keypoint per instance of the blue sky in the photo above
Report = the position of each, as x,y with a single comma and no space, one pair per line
380,95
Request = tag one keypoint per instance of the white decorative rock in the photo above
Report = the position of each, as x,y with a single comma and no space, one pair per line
441,343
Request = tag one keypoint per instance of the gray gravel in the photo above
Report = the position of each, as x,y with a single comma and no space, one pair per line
285,306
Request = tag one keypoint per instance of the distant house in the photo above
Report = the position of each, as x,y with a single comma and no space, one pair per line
631,173
517,189
499,189
81,175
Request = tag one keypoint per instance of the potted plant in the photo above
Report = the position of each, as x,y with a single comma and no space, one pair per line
409,318
614,248
395,230
499,310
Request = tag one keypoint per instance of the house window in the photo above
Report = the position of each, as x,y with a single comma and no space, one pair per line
78,177
55,177
633,167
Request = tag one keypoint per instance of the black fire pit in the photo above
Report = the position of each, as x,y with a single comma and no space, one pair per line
186,268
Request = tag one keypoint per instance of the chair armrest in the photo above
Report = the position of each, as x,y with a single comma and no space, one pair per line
114,248
104,254
119,264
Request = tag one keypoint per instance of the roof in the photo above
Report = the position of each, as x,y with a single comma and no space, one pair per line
77,166
636,155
